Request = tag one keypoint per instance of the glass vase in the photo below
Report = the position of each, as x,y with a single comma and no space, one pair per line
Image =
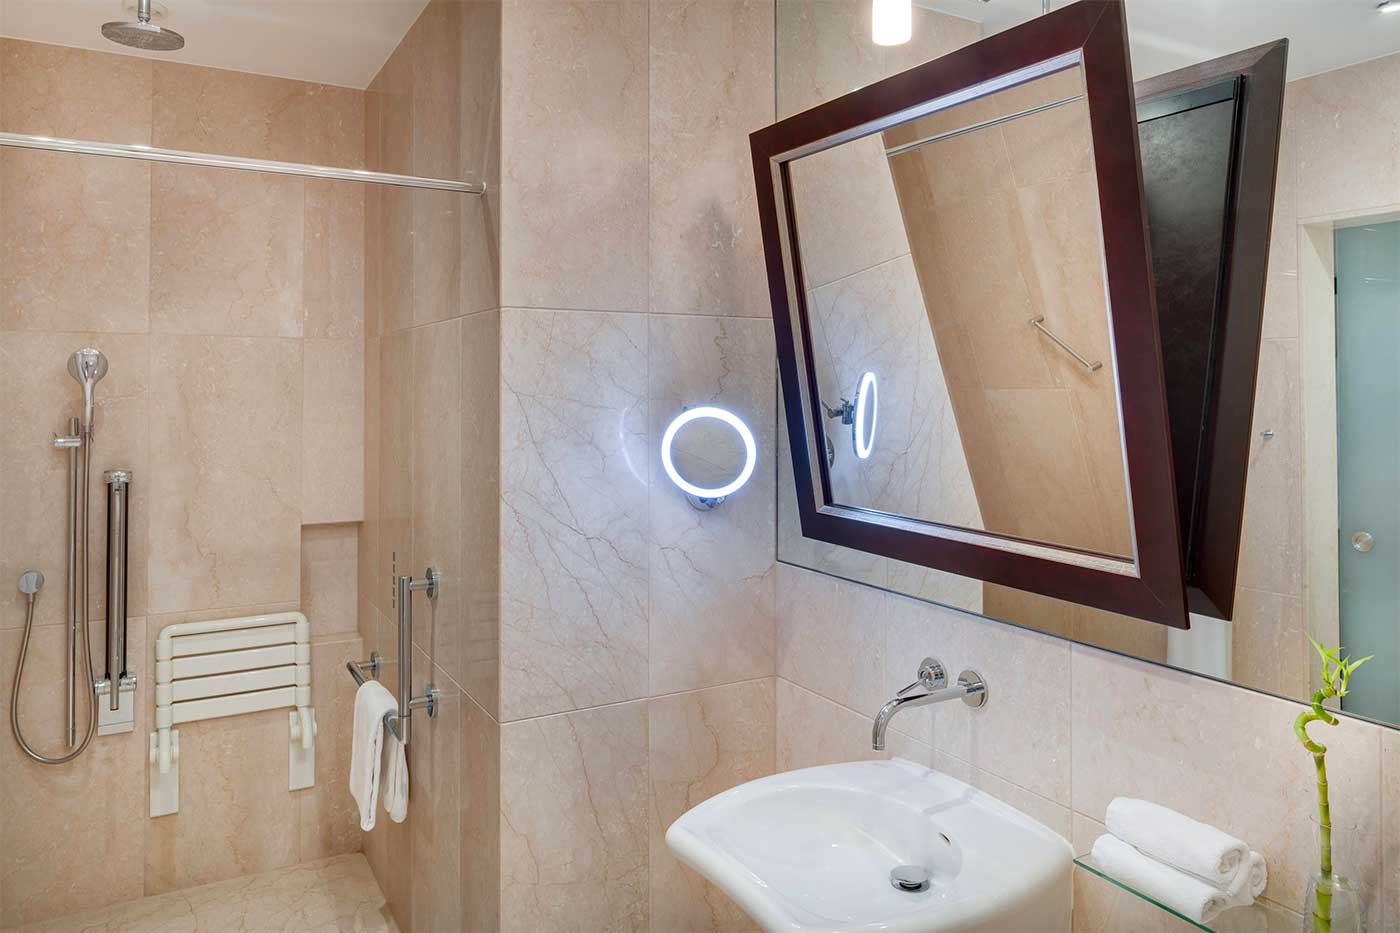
1338,910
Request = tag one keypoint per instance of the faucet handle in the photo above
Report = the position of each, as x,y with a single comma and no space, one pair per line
932,676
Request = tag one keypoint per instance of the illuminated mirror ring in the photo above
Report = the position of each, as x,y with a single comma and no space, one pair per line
867,399
718,414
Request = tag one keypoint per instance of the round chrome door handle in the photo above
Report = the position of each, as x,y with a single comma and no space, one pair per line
1363,541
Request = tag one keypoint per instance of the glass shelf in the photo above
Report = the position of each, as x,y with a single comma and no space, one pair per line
1260,917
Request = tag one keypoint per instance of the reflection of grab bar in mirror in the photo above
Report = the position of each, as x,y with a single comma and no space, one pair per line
891,151
1039,324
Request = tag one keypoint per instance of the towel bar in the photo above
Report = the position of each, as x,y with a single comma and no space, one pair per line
357,668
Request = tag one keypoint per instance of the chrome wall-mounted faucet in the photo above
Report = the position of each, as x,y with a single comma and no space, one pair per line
933,681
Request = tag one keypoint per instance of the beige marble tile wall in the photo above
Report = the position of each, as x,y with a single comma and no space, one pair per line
431,363
230,305
636,633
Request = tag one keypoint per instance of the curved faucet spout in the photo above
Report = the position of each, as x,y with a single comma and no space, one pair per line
970,688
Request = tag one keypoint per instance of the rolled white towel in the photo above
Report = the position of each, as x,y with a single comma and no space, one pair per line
1187,895
1249,881
1176,840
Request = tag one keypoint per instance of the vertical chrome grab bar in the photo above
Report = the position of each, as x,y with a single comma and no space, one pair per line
118,483
398,723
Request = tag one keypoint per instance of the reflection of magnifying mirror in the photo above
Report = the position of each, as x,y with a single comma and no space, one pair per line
867,416
705,455
862,415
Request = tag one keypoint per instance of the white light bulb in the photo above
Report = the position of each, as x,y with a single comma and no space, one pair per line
1388,6
891,21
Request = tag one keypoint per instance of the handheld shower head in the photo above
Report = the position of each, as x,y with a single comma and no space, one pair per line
87,366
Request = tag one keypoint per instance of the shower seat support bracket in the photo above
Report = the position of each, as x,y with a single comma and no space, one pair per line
165,783
301,749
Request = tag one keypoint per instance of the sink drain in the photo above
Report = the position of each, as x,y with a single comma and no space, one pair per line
911,878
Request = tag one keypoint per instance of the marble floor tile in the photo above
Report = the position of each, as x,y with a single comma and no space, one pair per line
337,894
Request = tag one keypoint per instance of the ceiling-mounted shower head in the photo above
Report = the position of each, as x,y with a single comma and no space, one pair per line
144,34
88,366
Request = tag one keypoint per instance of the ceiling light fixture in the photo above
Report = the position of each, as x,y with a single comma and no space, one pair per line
891,21
1388,6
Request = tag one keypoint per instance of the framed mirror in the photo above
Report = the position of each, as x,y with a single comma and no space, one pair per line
1018,324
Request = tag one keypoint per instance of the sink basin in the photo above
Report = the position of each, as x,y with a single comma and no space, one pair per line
814,850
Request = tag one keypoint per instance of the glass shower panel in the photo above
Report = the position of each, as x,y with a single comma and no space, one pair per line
1368,460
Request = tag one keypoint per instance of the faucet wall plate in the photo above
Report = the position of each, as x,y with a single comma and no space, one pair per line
977,695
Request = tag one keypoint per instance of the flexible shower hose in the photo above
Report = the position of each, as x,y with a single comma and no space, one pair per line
87,647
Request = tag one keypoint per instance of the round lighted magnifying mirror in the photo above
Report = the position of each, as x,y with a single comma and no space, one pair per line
709,453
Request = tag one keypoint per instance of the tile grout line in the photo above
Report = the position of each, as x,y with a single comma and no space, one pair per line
643,699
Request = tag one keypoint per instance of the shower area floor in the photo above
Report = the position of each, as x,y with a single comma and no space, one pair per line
335,895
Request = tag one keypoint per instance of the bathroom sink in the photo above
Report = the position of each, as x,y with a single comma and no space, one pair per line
814,850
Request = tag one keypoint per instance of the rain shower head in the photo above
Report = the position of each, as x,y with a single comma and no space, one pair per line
87,366
144,34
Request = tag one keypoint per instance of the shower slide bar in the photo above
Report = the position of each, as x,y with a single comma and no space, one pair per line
226,667
209,160
398,722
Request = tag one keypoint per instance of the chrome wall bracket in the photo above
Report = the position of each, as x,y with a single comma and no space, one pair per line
122,718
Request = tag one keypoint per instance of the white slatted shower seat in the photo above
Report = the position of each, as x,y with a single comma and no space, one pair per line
224,667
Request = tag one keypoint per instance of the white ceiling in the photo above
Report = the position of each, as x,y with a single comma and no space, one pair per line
327,41
346,41
1167,34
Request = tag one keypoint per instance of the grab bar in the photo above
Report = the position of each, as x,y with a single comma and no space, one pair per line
398,722
1039,324
118,487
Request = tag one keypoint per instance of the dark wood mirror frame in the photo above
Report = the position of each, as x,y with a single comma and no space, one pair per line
1211,494
1091,34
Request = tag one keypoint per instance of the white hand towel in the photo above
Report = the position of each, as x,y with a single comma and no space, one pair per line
1189,896
1176,840
372,701
396,780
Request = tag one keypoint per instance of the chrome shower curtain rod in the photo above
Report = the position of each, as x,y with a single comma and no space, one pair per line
207,160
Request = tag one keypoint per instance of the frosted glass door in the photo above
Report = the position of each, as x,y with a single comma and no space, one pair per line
1368,461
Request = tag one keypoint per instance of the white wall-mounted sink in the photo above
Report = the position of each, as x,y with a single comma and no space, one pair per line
814,849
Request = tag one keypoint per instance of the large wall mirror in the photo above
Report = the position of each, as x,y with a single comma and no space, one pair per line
991,402
1273,216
